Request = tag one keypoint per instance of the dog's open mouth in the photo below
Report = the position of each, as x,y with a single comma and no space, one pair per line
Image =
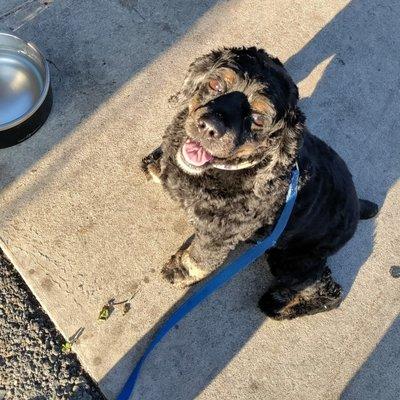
195,154
193,158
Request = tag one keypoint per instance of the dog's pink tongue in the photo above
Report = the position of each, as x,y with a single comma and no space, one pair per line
195,154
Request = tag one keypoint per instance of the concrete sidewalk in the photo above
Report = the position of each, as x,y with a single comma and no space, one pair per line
83,226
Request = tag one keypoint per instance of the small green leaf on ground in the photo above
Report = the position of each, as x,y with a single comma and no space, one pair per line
66,347
105,312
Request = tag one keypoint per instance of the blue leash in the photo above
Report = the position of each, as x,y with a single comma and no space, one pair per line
219,279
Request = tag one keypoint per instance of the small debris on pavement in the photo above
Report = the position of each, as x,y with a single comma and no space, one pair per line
127,307
109,308
395,271
74,338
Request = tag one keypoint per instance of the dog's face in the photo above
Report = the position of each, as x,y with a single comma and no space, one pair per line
240,104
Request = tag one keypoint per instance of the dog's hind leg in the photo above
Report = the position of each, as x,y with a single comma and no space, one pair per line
368,209
151,165
305,298
303,287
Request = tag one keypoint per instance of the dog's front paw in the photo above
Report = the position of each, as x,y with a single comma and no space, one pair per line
175,272
182,271
151,167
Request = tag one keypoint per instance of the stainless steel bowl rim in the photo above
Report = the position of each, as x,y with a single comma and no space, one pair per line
43,95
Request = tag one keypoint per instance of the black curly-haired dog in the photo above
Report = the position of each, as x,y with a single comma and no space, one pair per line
227,157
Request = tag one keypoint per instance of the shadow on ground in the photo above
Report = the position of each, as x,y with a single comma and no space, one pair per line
360,76
378,377
94,48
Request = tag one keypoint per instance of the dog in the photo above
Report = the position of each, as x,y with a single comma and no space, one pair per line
227,157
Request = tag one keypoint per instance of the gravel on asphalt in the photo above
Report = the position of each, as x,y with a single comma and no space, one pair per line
32,364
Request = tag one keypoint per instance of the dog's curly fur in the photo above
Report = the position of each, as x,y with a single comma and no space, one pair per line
241,191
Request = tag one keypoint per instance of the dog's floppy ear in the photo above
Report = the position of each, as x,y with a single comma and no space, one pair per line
292,135
195,75
283,154
274,67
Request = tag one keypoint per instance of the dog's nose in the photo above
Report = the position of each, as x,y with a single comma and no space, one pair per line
211,126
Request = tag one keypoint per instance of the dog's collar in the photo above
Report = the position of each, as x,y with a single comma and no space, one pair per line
242,165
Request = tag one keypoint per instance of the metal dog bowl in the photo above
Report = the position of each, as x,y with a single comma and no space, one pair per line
25,91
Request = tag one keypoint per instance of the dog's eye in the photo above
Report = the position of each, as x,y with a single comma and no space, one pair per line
216,85
258,119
